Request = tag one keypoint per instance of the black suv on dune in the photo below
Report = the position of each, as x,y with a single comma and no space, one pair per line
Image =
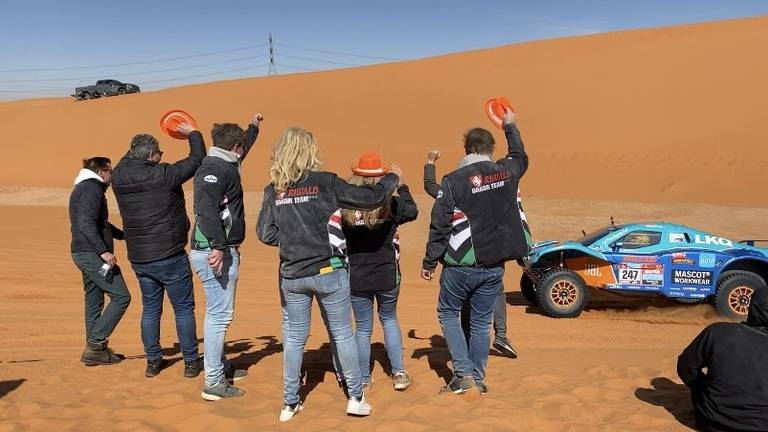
107,87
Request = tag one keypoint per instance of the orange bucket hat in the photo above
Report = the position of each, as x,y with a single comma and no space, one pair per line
369,165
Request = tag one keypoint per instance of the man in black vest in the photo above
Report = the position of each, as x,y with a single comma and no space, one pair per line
155,223
475,228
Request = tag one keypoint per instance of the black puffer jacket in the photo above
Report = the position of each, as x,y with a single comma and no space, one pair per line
88,216
152,203
733,393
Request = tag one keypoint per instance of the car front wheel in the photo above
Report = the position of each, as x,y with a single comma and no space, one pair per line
562,293
734,292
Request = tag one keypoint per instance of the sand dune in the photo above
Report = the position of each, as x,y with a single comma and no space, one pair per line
663,124
673,114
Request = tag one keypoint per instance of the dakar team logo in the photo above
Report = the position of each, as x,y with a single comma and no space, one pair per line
476,180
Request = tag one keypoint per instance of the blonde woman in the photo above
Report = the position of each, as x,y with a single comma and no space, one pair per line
374,268
301,214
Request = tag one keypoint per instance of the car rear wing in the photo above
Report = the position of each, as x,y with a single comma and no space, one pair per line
752,242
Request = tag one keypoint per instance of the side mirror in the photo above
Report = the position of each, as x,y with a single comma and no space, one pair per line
617,246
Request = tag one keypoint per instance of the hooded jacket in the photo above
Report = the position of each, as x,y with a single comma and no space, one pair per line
88,215
219,211
733,393
374,253
475,219
152,203
305,220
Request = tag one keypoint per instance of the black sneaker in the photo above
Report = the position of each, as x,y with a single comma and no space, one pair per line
458,385
193,368
503,346
154,367
232,373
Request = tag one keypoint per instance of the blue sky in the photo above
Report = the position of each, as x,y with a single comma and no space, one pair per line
48,47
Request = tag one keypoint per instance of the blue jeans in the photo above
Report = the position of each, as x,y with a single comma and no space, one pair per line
219,307
171,275
332,292
477,287
500,314
362,305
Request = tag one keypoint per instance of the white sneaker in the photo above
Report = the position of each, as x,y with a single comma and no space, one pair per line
288,412
358,407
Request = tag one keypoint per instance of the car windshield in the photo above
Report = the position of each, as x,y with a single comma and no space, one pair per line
594,236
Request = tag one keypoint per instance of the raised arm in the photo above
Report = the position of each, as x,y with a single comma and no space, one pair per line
430,175
366,197
404,208
184,169
516,159
251,134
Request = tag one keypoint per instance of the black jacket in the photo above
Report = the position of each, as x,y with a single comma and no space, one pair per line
152,204
733,393
475,218
219,211
88,217
305,220
374,253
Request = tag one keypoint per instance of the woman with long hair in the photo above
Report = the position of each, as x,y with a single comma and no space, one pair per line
301,214
373,244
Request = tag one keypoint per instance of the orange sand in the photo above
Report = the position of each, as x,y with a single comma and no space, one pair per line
664,124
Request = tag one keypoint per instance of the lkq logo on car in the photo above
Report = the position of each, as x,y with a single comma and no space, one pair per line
712,240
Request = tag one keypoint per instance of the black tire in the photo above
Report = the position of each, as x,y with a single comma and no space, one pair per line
528,289
734,291
121,91
562,294
85,95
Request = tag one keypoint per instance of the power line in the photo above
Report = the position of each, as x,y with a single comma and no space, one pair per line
206,74
136,63
319,61
339,53
138,73
298,67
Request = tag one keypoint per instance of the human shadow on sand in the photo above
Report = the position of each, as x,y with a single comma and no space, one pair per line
245,359
316,365
9,386
437,354
673,397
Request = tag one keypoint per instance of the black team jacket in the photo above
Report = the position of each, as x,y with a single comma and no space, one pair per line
152,204
475,218
304,221
374,253
88,217
733,393
218,204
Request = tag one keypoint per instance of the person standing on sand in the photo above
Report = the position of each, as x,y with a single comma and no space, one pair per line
156,226
500,341
475,229
301,214
219,230
373,245
724,366
93,253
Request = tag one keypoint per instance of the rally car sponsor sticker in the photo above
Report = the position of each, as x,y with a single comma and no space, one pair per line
707,260
691,277
641,274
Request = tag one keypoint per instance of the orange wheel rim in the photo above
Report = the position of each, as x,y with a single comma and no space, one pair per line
564,293
739,298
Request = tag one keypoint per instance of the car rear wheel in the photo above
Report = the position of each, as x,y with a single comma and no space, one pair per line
121,91
528,289
734,291
562,293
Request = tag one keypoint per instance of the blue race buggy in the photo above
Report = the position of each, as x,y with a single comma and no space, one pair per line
675,261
